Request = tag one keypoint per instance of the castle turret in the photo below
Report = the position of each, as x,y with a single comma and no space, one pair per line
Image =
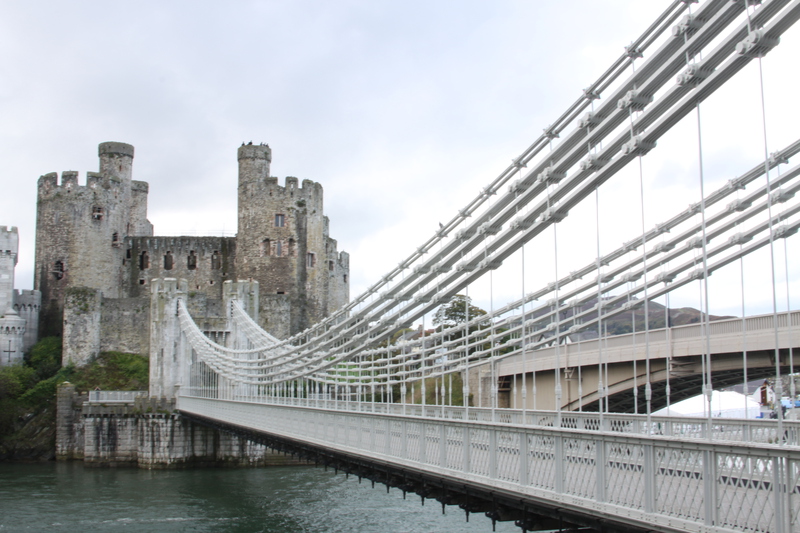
116,159
254,161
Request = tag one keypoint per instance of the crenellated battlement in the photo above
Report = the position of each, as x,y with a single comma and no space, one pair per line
9,240
17,329
95,179
255,151
168,286
27,297
180,244
69,182
292,188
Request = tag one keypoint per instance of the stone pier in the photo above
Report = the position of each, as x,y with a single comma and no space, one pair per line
148,433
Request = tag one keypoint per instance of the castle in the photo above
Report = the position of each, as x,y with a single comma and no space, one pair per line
19,311
96,255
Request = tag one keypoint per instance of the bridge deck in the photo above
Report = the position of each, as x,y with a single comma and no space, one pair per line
724,336
642,480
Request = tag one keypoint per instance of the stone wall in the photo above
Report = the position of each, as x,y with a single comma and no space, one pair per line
204,262
70,435
27,303
480,387
124,325
147,434
82,314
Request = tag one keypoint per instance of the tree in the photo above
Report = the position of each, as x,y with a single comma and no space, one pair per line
458,311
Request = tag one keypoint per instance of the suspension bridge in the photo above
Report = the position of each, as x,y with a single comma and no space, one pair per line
427,413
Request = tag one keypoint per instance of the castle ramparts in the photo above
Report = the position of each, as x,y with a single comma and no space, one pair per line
96,236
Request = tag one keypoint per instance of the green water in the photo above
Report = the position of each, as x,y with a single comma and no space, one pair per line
69,497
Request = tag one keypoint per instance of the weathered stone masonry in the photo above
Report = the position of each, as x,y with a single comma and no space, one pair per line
97,237
103,275
147,434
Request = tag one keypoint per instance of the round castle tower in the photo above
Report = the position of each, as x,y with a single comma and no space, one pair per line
80,230
283,243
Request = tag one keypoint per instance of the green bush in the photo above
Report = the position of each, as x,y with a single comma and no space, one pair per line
27,392
45,357
41,393
15,380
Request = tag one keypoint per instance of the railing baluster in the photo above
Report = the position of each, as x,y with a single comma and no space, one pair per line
600,469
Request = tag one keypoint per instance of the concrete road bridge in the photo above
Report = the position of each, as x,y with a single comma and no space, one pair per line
741,350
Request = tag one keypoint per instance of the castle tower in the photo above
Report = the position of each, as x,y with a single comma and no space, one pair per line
80,230
15,330
9,247
283,243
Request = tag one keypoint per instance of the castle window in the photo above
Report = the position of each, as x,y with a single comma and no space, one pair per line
128,254
311,259
281,292
330,265
58,270
280,221
292,250
264,248
115,239
345,278
168,261
97,213
144,261
278,248
142,281
191,261
216,261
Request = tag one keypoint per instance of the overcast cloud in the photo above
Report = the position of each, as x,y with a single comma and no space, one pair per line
402,110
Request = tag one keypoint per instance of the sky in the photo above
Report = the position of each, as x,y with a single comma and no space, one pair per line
403,111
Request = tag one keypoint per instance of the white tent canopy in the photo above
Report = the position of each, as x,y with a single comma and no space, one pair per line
724,404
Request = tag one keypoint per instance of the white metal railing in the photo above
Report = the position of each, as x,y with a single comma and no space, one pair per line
663,483
115,396
720,430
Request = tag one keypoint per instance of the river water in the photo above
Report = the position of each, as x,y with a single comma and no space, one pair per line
69,497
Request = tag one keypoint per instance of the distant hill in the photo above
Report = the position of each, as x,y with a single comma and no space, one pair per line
630,321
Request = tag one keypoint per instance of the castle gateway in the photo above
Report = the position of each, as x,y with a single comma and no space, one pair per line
96,254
